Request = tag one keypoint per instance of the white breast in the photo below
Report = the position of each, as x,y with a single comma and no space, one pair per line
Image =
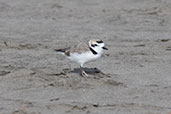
84,57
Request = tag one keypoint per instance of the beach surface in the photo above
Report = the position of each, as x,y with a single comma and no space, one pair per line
132,77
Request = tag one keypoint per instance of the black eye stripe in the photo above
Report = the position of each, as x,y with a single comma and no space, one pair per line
99,41
93,45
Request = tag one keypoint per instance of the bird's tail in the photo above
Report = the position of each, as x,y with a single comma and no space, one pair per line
62,50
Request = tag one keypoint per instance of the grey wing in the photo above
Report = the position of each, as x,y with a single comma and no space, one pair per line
80,48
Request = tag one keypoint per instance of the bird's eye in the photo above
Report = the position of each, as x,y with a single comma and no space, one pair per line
93,45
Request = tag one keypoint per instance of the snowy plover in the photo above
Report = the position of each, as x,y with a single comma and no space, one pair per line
84,52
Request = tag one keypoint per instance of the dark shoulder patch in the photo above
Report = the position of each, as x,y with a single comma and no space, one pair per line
94,52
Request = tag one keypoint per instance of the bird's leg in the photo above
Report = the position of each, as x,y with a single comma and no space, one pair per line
82,72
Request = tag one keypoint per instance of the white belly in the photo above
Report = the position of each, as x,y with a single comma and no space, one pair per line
83,58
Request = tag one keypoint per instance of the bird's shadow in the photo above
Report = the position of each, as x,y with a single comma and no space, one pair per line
87,70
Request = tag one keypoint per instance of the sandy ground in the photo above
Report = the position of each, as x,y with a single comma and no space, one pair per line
135,75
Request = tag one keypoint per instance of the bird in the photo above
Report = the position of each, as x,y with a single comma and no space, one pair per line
83,52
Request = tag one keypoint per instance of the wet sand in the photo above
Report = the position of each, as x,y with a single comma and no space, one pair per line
133,76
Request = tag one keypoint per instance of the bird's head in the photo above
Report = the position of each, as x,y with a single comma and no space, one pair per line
97,45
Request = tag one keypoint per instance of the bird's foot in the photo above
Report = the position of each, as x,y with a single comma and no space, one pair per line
84,74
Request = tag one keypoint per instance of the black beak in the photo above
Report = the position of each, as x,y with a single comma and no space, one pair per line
105,48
